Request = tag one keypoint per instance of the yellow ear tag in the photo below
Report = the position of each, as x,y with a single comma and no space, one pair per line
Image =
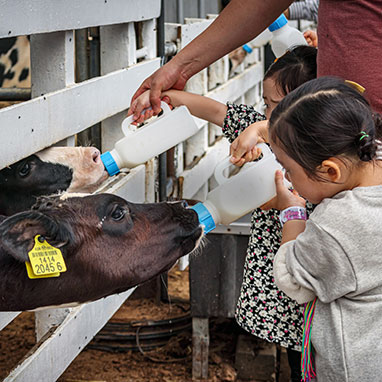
45,260
31,275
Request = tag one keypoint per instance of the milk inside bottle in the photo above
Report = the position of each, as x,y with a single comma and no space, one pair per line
239,194
141,144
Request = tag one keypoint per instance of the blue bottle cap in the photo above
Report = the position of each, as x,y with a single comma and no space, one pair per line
247,48
278,23
205,217
109,163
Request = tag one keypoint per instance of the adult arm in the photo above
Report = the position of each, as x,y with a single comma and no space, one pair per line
238,23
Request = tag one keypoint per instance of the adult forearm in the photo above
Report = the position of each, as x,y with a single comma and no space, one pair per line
238,23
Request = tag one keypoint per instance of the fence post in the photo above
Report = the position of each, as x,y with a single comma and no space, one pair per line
52,68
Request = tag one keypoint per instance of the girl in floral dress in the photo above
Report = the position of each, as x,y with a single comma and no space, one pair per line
262,310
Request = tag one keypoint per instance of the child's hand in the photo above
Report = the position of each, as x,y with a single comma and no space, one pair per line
311,38
243,149
284,198
142,102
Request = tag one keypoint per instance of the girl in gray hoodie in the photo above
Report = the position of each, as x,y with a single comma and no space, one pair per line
326,137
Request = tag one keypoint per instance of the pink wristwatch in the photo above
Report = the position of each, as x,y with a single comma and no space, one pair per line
292,213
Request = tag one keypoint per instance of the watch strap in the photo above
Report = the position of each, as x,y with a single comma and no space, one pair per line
292,213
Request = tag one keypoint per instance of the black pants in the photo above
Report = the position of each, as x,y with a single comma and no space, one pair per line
294,360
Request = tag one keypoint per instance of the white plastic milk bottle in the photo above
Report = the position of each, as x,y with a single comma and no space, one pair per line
234,197
284,36
154,138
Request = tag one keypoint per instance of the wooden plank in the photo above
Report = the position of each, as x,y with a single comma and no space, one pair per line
172,31
130,186
52,62
190,31
149,38
21,17
194,178
118,47
61,347
52,65
200,346
118,51
238,85
38,123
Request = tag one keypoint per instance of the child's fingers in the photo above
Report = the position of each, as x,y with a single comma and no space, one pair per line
237,149
279,180
237,161
166,99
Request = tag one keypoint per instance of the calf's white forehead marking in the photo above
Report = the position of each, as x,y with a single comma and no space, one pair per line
88,173
68,195
100,224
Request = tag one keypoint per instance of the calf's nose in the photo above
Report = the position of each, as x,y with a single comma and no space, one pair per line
96,155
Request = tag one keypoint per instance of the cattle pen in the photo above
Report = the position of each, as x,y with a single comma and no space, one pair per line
134,41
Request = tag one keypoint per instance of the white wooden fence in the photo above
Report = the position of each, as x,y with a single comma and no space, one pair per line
61,108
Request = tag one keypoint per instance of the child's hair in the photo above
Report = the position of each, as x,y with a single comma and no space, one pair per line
294,68
324,118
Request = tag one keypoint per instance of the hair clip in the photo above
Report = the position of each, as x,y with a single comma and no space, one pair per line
360,89
364,135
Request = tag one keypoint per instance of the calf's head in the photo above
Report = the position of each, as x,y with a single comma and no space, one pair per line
50,171
108,244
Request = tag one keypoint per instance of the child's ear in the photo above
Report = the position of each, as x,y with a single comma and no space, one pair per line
331,169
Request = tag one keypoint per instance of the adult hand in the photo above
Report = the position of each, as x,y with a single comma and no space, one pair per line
285,198
166,77
220,38
243,149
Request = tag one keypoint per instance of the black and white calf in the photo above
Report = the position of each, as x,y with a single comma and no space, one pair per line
108,245
53,170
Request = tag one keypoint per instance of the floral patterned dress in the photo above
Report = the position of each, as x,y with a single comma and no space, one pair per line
263,310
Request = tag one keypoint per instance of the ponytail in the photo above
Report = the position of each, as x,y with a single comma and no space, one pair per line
367,142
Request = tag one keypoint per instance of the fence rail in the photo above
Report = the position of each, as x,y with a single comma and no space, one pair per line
45,16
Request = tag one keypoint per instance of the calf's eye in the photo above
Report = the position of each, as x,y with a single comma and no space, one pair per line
25,170
118,213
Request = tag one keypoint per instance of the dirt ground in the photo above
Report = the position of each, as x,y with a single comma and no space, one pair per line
169,363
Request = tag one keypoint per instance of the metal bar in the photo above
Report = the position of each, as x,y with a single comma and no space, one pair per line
82,67
201,9
180,11
82,72
94,71
15,94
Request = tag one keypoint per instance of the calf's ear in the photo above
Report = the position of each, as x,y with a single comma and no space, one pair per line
17,233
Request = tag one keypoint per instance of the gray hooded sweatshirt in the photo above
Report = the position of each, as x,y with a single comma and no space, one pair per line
338,258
